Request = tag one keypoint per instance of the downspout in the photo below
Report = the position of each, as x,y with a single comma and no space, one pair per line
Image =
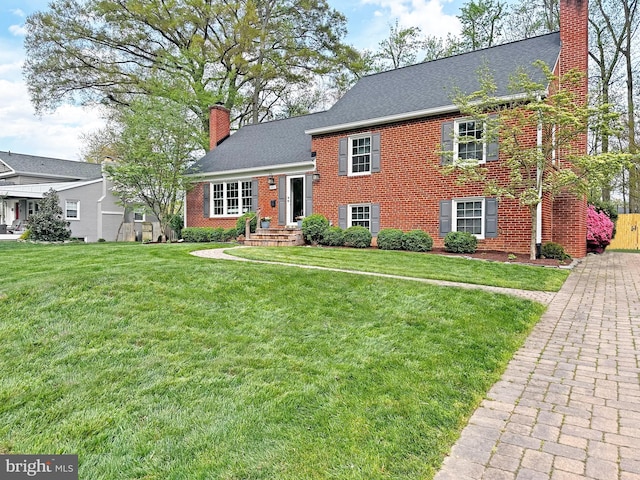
539,180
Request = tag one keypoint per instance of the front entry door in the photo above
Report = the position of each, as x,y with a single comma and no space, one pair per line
295,198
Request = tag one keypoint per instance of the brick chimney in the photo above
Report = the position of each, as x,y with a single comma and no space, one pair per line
219,124
570,211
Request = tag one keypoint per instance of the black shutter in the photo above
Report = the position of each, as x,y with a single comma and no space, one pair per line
343,157
492,144
282,201
446,143
491,218
308,195
342,216
254,195
375,153
445,217
206,199
375,219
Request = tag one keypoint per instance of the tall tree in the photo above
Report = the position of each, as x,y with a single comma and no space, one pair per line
154,147
607,37
482,23
400,48
243,53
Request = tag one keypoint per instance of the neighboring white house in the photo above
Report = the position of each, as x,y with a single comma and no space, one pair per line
84,190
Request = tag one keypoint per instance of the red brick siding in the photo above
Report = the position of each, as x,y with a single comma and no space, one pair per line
410,185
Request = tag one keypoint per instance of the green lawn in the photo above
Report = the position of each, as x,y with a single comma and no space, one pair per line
150,363
420,265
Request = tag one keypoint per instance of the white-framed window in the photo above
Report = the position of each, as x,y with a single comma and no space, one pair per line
360,215
32,207
139,215
360,155
231,198
468,216
469,141
72,209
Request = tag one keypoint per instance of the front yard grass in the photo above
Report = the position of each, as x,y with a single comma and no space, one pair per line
419,265
150,363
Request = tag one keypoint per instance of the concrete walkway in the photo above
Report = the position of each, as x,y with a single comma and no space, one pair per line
541,297
568,405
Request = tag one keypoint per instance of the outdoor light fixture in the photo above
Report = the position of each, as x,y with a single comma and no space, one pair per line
315,177
271,180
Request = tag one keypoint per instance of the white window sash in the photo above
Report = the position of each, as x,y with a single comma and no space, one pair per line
457,143
350,171
483,215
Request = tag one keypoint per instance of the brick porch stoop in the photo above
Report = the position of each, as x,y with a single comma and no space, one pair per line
275,237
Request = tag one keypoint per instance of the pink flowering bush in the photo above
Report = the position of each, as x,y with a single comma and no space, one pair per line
599,230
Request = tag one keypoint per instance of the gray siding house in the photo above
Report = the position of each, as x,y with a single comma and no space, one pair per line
85,197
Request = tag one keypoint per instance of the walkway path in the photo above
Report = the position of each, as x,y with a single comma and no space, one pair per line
568,404
542,297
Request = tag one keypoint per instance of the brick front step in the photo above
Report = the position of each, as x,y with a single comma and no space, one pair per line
275,237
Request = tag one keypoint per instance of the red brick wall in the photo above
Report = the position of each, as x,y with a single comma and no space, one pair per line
411,184
570,211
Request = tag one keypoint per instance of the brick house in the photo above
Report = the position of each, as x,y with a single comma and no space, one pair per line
372,159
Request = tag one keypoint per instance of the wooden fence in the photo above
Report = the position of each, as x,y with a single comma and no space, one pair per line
627,232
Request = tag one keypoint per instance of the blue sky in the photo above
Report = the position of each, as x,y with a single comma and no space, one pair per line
58,134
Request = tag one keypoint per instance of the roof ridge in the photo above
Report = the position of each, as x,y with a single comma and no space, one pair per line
457,55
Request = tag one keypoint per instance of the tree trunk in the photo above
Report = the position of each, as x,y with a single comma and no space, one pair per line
533,210
634,171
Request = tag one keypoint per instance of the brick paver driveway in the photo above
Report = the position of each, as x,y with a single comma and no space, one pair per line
568,405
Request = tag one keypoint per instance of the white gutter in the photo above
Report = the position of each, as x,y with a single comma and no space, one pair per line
265,170
429,112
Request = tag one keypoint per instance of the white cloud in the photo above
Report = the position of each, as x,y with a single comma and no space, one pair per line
18,30
428,15
55,135
18,12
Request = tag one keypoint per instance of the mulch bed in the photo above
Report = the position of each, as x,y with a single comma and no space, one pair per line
495,256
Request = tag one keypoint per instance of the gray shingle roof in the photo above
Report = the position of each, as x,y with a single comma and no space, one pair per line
430,85
55,168
415,88
279,142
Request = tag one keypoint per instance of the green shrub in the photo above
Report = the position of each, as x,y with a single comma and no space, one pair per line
197,234
333,237
313,227
231,233
216,234
460,242
26,235
390,239
101,240
176,223
240,223
554,250
417,241
357,237
48,223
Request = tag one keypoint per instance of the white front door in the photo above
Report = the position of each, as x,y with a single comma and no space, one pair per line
295,198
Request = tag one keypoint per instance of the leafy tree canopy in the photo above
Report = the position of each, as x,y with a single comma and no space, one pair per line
246,54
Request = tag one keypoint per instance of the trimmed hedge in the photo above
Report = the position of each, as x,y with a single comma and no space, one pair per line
333,237
208,234
313,227
240,223
460,242
417,241
390,239
357,237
